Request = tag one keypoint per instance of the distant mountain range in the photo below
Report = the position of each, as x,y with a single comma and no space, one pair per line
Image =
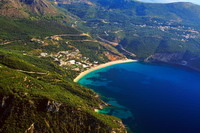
170,1
148,30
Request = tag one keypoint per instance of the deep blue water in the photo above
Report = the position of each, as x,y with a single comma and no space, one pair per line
149,98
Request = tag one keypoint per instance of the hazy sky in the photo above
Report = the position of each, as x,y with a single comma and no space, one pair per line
169,1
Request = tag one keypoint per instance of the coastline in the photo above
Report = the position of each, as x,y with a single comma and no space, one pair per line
82,74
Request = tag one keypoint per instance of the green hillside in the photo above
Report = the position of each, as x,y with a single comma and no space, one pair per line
142,28
44,45
37,89
34,95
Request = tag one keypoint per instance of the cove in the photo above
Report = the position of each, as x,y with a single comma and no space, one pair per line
149,98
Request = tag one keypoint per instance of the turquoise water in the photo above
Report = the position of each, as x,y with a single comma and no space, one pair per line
149,98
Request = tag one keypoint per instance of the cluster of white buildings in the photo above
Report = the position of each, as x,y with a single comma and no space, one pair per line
72,60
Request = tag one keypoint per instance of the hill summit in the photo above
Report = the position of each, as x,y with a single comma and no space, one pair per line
24,8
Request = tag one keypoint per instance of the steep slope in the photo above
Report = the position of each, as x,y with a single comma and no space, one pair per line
16,29
24,8
37,92
34,99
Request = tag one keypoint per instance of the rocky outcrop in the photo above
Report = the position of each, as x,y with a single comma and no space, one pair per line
24,8
177,59
53,106
30,129
164,57
41,115
3,101
39,7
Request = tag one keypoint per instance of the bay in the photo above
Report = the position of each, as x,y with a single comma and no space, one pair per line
149,98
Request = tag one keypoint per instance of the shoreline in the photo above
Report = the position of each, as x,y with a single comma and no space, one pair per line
82,74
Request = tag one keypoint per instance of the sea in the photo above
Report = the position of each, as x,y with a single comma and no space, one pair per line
149,98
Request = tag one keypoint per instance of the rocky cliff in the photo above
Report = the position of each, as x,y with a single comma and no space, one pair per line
177,59
24,8
41,115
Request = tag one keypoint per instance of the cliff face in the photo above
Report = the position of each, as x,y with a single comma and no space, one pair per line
23,8
42,115
39,6
176,58
165,57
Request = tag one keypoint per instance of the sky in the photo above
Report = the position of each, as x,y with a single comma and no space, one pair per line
169,1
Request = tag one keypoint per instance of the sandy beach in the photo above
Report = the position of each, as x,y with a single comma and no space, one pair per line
102,66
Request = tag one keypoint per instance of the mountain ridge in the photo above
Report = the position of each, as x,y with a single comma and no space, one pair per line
24,8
